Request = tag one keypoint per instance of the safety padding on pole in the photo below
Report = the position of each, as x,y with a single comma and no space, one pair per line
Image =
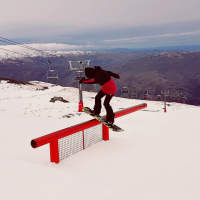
105,132
54,152
80,106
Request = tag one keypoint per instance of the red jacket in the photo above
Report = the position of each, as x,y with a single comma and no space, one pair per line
104,79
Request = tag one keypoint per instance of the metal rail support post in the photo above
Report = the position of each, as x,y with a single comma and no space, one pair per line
80,99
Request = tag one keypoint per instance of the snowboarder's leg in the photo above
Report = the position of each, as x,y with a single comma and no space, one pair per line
110,115
97,106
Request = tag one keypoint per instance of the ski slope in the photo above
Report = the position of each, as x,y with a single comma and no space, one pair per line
155,158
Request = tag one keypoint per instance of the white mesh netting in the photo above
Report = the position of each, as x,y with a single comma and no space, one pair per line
78,141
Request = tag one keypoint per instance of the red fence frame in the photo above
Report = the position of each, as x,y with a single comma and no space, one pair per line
53,138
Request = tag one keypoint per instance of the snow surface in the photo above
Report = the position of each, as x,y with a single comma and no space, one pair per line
155,158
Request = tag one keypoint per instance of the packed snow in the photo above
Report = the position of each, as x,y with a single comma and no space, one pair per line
155,158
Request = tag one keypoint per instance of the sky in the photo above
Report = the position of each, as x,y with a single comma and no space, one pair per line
156,157
91,24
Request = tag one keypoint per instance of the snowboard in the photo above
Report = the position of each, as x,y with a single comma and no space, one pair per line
113,127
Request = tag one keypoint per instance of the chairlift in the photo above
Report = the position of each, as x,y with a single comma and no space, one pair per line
173,96
52,74
178,92
78,65
166,95
165,92
134,95
184,99
147,96
79,75
158,97
124,90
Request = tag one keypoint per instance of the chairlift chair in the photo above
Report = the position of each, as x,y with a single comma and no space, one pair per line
178,92
124,90
165,92
78,65
146,96
52,74
166,95
79,75
184,99
158,97
134,95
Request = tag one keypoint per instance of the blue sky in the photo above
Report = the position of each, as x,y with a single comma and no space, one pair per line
91,24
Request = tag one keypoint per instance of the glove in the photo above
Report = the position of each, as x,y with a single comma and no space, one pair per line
118,77
81,81
115,75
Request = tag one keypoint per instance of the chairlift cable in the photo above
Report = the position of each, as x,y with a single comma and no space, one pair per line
15,43
23,55
24,46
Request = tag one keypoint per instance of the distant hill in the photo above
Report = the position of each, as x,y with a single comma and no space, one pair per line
140,71
164,48
177,72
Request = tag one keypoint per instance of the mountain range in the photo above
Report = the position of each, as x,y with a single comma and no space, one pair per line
144,74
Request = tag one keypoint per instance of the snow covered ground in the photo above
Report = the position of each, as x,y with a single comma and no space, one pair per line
157,157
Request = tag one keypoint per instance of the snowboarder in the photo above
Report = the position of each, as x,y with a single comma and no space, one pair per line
103,78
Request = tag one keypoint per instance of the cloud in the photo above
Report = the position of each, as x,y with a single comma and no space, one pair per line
145,38
60,47
55,38
74,16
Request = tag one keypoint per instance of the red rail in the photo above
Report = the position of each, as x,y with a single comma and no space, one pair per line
62,133
130,110
74,129
52,138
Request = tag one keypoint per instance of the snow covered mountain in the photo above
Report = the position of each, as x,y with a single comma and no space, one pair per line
156,157
142,71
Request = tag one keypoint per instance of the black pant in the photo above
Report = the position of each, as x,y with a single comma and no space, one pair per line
97,107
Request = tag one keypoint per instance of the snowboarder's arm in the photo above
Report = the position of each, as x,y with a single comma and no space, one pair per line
113,74
87,81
